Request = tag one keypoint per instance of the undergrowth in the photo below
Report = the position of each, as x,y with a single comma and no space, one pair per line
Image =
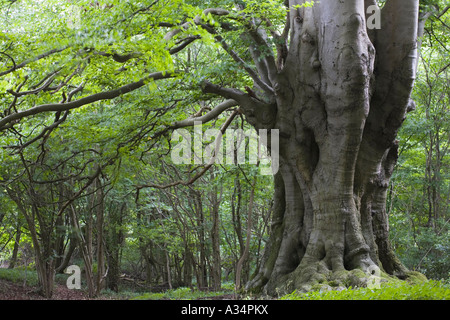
183,293
20,275
427,290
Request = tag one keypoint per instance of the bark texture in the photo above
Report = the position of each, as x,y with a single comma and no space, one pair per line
340,94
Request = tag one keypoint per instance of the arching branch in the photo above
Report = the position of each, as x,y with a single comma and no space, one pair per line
39,57
107,95
213,114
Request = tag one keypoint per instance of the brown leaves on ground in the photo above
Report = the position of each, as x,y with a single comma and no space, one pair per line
16,291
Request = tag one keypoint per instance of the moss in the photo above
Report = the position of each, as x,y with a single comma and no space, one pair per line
358,273
312,276
415,277
338,278
335,283
357,278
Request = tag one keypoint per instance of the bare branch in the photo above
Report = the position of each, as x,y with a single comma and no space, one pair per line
228,93
281,40
11,58
260,37
45,132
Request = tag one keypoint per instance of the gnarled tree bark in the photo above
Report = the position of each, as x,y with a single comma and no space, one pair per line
340,94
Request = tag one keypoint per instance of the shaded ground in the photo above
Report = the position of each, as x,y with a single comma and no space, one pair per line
16,291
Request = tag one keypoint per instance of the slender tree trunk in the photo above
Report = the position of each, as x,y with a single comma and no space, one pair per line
65,262
13,260
215,236
59,241
168,271
187,266
236,214
87,255
101,270
113,244
202,275
245,254
42,245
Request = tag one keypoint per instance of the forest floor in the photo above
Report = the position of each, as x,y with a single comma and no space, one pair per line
10,290
13,286
15,291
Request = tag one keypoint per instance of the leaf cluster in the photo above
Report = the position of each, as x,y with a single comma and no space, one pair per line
430,290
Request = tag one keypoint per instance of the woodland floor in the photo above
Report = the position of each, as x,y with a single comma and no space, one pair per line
14,291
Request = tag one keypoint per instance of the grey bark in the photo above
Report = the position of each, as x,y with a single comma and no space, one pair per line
341,93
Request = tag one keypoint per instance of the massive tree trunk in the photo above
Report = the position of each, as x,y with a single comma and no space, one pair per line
340,94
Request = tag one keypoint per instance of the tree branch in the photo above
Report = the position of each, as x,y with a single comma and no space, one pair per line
228,93
214,113
221,12
118,57
197,21
264,86
281,40
35,91
39,57
183,44
260,38
199,174
108,95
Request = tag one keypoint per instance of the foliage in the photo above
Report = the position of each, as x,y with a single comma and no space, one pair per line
181,294
419,191
430,290
24,276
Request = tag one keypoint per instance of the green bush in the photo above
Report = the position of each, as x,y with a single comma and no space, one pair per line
427,290
422,249
20,275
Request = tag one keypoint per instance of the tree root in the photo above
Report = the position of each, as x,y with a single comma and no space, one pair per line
317,277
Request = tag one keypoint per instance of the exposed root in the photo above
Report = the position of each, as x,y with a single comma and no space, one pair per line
313,274
317,277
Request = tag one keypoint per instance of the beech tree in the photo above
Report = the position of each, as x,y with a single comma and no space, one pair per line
333,77
340,100
338,92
